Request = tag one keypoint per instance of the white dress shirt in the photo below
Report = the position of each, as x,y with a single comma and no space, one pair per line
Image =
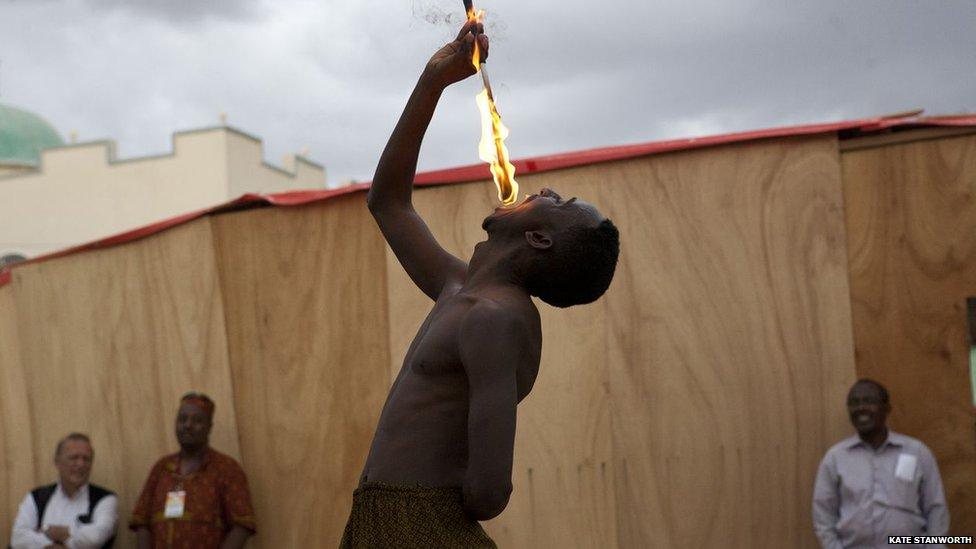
863,495
63,510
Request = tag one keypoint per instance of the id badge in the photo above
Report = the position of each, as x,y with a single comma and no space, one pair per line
905,468
175,503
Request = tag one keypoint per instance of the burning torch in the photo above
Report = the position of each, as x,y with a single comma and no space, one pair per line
492,147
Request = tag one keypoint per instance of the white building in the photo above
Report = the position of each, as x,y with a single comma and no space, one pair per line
55,195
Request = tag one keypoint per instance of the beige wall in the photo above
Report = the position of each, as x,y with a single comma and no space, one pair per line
8,169
911,225
82,192
305,302
248,173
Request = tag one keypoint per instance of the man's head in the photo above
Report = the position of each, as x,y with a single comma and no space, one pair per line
194,420
73,459
565,251
868,406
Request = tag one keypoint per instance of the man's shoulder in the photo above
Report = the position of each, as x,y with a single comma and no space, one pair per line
42,493
491,320
910,444
495,308
502,311
168,461
99,492
227,470
44,488
842,446
223,460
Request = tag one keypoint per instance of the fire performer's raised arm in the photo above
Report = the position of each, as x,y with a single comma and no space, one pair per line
389,199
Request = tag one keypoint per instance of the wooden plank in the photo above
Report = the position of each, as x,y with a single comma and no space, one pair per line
904,136
111,339
729,341
911,219
17,459
563,487
306,316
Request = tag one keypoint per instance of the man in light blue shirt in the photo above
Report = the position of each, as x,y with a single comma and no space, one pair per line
877,483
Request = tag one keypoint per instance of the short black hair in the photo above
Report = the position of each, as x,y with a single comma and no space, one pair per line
578,268
71,436
881,388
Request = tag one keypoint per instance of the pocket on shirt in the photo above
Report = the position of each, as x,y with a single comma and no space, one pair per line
905,494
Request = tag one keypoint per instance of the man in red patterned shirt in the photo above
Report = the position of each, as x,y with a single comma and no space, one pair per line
198,497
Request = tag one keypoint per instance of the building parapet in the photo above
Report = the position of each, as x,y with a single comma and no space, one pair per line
104,151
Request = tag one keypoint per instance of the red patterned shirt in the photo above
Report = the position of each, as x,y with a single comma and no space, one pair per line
217,498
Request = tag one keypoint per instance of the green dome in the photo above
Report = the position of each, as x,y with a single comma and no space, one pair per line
23,135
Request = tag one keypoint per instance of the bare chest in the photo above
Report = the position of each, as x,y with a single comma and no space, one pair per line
435,351
435,348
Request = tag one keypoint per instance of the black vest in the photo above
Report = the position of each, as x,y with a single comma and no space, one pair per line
43,495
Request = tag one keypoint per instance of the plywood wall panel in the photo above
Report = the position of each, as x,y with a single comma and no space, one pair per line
729,340
111,339
911,217
563,476
17,459
306,307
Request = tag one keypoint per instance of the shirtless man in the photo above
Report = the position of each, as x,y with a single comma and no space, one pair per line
441,458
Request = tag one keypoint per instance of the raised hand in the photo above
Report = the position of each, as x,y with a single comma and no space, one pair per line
452,63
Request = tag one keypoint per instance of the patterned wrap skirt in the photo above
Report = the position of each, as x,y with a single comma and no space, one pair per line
385,516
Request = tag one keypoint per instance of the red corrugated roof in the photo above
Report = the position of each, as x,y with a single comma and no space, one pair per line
477,172
606,154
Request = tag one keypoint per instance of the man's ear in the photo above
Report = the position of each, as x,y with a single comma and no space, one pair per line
538,240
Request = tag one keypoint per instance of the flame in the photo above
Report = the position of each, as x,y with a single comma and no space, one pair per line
476,16
492,149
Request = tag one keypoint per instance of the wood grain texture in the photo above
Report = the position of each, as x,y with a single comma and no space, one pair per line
110,340
563,479
16,439
729,341
305,292
911,219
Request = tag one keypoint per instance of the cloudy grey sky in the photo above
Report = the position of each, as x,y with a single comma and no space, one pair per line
333,75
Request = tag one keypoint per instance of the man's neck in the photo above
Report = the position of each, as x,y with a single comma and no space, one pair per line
875,438
490,265
192,454
70,489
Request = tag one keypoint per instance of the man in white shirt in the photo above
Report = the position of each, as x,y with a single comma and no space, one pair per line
71,513
877,483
